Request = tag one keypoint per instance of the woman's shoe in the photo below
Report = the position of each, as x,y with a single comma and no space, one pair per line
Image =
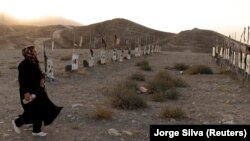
16,129
41,134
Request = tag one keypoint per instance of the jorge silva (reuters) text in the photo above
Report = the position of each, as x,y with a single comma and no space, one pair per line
192,132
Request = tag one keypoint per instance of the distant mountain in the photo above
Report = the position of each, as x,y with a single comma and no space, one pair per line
122,28
195,40
50,20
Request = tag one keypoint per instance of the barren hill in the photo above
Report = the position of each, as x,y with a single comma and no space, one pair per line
20,35
195,40
124,29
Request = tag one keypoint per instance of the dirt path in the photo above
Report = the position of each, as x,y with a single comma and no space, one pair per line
209,99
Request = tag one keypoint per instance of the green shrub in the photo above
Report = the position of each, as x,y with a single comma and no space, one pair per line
199,69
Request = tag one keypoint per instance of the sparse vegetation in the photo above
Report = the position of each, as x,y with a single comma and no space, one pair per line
123,95
176,113
164,81
14,66
144,65
199,69
172,94
168,94
159,97
137,76
66,58
231,74
180,66
102,111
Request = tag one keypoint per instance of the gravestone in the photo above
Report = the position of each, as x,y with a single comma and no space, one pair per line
129,54
74,62
50,69
213,51
145,50
136,52
102,57
121,56
114,55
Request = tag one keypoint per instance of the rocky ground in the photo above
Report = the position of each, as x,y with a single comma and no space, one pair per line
209,99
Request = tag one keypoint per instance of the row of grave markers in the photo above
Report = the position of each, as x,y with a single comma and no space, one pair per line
117,56
233,55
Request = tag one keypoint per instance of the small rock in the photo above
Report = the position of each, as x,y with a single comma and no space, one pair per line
229,122
133,121
172,120
205,122
5,135
127,132
143,89
76,105
114,132
144,114
1,122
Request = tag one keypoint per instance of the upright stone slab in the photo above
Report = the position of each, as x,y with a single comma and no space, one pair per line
129,54
148,51
243,61
145,50
114,55
103,56
248,64
136,52
74,62
50,70
91,61
213,51
121,56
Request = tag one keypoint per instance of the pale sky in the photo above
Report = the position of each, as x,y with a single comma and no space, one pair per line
224,16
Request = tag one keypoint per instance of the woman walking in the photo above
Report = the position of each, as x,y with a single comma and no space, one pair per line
38,108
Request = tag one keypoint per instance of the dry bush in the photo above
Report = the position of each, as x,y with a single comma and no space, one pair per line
171,94
176,113
144,65
180,66
159,97
102,111
14,66
137,76
164,81
199,69
66,58
123,95
229,73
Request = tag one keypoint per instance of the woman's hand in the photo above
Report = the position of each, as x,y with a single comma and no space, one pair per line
27,96
42,82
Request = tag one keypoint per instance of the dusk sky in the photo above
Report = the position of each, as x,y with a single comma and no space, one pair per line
224,16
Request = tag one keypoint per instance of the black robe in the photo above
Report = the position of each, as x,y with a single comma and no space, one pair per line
41,108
